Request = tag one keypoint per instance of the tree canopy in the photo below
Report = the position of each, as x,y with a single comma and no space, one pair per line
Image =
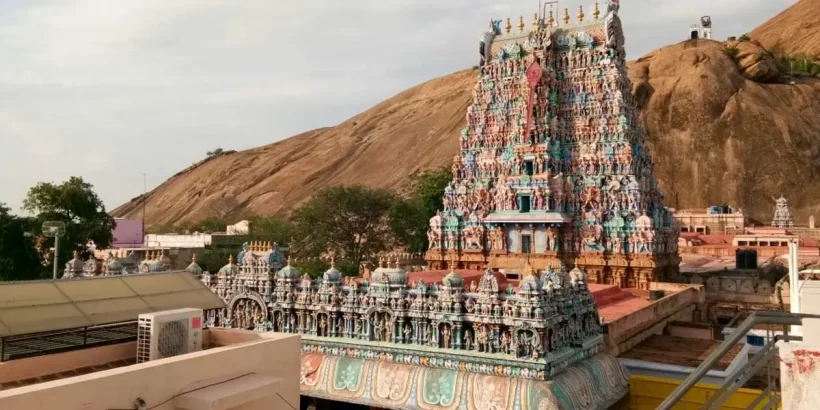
271,228
18,257
75,203
348,221
409,218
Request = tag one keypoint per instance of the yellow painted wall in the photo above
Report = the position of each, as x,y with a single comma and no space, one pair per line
646,393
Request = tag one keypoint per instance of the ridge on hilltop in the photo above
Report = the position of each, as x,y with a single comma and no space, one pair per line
720,126
795,31
381,147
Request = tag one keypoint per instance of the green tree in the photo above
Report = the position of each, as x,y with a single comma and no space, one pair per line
270,229
409,218
18,257
351,222
207,225
314,267
429,189
408,223
75,203
214,259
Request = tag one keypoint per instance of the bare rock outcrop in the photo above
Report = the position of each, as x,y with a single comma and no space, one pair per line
795,31
754,62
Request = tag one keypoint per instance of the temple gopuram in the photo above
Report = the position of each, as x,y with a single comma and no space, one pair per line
387,343
553,168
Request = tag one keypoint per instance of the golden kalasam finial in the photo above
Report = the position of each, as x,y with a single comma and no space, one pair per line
193,258
521,25
230,259
596,12
550,20
528,270
508,27
580,13
535,22
566,16
289,260
333,261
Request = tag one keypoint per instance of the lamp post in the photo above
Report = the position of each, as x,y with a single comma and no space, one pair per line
54,229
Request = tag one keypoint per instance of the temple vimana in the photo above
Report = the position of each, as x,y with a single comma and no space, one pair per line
553,168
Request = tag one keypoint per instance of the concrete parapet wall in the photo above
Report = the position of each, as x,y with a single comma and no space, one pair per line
632,329
257,374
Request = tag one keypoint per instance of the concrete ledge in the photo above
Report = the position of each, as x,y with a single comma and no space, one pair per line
230,394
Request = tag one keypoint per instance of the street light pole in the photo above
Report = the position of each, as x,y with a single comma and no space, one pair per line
56,254
55,229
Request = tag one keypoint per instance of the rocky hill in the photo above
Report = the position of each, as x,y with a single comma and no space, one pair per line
794,31
722,128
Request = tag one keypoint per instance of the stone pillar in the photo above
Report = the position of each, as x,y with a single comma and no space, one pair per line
457,336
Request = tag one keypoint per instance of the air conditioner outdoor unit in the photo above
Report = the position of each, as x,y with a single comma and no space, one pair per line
169,333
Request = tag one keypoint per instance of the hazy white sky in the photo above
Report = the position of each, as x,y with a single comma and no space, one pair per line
109,90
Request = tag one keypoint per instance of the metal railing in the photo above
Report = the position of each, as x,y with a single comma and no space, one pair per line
742,374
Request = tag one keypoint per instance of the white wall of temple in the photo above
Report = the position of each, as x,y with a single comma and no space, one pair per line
177,241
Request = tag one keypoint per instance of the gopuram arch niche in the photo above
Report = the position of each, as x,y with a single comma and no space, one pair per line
526,343
379,324
446,334
248,311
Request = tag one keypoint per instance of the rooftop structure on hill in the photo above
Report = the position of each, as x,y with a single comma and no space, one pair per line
718,219
782,215
553,166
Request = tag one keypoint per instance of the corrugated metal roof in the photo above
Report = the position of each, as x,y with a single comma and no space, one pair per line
44,306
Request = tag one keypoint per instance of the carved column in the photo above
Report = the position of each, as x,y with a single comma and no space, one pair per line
457,336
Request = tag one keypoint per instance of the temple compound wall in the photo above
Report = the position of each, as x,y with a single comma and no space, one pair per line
553,168
388,343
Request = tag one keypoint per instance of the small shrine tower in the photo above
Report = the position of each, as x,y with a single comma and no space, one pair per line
782,215
702,30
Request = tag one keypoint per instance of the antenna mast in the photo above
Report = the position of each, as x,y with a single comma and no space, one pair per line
144,189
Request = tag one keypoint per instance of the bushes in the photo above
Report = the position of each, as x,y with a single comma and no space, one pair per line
732,52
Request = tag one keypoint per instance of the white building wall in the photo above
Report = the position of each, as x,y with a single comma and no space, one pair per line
177,241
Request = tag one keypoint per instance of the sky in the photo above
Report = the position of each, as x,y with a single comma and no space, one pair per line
111,90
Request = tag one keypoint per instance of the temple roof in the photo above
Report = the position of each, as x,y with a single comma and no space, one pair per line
595,383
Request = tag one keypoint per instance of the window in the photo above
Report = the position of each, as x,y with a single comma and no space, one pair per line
525,203
526,241
528,167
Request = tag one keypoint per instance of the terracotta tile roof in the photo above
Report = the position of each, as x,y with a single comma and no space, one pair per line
615,303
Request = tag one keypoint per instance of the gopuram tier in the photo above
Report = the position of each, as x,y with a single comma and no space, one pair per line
553,168
546,324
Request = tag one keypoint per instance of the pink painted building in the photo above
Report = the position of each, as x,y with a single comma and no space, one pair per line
128,233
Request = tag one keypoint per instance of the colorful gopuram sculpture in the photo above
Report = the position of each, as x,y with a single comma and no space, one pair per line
782,215
553,166
390,329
